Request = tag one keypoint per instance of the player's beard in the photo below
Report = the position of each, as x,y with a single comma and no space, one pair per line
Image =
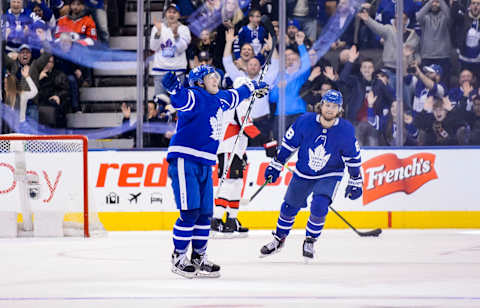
328,117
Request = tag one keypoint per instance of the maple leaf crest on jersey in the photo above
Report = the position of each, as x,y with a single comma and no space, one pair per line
216,124
318,158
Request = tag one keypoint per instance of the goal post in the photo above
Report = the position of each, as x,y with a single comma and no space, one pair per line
46,176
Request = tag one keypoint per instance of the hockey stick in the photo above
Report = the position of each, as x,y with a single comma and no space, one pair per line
265,20
247,201
375,232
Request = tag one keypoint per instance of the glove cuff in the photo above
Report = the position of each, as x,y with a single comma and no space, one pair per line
250,85
270,144
275,164
357,182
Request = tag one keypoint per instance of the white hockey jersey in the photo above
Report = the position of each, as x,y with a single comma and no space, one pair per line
232,121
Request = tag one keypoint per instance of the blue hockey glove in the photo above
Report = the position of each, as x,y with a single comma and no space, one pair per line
273,171
260,89
354,188
171,83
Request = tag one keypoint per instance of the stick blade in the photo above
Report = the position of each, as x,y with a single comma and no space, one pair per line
374,233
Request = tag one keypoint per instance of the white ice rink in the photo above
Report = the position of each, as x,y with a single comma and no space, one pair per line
401,268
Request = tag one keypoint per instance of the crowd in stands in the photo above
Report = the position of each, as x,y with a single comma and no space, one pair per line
441,50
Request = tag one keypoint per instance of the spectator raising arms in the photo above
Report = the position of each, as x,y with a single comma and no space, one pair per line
297,72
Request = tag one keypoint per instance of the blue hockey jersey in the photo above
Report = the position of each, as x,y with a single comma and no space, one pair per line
199,125
322,152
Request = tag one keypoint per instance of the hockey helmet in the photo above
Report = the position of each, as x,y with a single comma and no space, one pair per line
198,73
333,96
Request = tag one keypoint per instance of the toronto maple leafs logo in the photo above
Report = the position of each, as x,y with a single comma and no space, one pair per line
318,158
216,124
168,49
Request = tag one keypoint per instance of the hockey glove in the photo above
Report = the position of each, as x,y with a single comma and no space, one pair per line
260,89
354,188
273,171
171,83
271,148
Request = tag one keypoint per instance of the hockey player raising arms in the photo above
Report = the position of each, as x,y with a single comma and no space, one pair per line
191,155
325,144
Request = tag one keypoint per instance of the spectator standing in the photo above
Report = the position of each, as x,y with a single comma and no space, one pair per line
389,34
359,88
426,85
68,52
434,19
45,14
305,12
253,33
293,27
260,113
467,34
169,40
18,99
16,24
297,72
24,58
79,22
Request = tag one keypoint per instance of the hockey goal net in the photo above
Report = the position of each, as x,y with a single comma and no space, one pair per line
45,180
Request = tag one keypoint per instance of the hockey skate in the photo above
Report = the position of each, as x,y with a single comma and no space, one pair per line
273,247
235,225
308,249
218,229
204,267
182,266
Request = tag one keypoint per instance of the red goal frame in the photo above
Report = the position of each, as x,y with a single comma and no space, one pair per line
84,140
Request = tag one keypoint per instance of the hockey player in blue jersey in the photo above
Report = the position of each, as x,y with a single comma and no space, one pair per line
325,145
191,155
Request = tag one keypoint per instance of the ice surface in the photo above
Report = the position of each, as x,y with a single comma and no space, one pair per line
401,268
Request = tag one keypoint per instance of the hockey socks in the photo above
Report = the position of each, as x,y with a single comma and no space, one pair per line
286,219
315,226
201,232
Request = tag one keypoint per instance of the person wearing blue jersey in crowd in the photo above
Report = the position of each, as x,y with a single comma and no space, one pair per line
326,144
191,155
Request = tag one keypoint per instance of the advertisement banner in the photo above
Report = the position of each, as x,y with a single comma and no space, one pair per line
137,181
394,180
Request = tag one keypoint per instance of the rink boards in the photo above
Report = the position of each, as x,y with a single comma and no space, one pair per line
403,188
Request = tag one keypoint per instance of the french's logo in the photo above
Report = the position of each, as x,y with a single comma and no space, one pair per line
386,174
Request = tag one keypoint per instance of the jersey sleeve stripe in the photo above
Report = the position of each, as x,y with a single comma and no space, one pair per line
235,99
349,164
349,157
190,102
286,146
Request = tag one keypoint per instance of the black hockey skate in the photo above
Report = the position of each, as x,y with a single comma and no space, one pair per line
308,250
218,229
235,225
273,247
205,268
182,266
